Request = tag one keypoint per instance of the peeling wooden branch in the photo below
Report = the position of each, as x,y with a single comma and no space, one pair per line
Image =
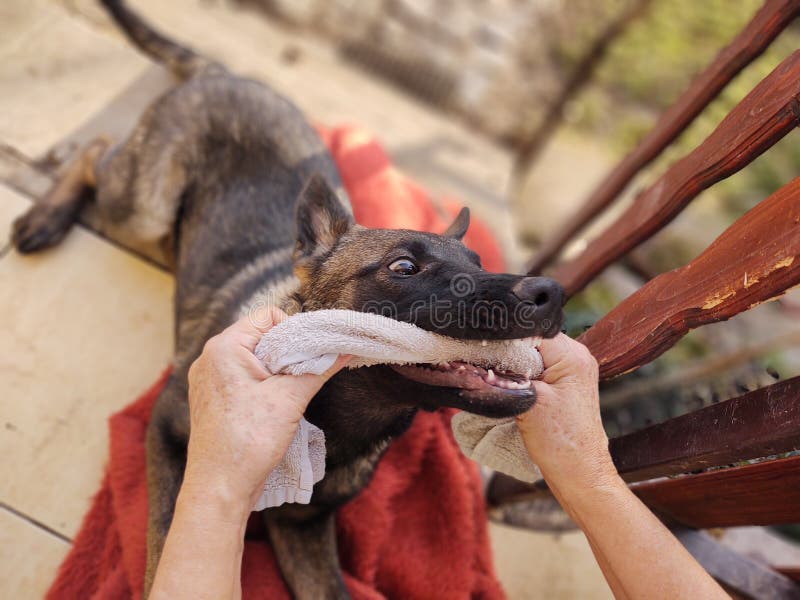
756,259
765,493
770,21
765,115
761,423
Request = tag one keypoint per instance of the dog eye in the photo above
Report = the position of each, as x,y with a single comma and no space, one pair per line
403,266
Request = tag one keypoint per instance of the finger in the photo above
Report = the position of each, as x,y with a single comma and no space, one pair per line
310,383
249,329
556,349
341,363
544,395
563,351
266,317
301,388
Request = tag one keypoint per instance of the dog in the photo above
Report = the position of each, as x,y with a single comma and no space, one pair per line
230,177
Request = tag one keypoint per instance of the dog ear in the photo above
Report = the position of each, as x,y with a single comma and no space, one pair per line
322,218
458,227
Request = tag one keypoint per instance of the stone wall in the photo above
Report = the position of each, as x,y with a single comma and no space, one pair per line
483,59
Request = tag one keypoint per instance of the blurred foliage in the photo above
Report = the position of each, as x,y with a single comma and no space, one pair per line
649,66
591,304
790,531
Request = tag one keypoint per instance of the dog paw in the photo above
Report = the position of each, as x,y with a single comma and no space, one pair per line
41,227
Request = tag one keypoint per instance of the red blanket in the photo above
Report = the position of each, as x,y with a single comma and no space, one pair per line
417,531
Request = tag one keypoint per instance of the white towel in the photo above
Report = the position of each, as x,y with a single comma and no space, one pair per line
303,465
495,443
311,342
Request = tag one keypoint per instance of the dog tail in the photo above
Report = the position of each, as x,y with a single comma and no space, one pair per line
182,61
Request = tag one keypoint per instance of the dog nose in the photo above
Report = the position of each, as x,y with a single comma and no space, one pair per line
547,294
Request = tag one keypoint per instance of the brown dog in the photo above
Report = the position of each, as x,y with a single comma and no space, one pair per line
235,180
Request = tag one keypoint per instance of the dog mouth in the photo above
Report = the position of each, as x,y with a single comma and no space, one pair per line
480,388
465,376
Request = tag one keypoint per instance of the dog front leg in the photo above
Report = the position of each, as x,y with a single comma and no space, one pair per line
167,436
307,555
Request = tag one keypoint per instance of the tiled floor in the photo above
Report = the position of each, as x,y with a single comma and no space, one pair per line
55,65
86,326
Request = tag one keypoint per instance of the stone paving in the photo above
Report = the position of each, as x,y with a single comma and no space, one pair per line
88,325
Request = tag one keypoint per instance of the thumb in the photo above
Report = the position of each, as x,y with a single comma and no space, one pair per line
312,383
544,395
250,328
301,388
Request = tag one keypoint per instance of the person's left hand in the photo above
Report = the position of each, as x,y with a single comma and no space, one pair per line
242,417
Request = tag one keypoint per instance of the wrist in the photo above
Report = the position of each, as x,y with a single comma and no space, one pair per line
579,465
575,475
585,498
213,497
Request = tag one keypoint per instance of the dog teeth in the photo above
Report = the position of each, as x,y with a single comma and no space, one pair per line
509,384
461,368
518,385
484,343
490,376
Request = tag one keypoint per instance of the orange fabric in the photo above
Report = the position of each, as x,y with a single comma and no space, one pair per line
383,197
417,531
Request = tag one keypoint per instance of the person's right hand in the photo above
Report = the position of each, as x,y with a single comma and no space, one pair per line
563,430
564,435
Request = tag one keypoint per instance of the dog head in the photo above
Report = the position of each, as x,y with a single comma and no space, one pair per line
433,281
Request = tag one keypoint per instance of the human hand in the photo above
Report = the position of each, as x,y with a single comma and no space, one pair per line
564,435
563,430
242,417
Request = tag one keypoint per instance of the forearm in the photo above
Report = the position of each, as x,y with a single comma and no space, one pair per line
638,554
564,434
608,573
203,551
